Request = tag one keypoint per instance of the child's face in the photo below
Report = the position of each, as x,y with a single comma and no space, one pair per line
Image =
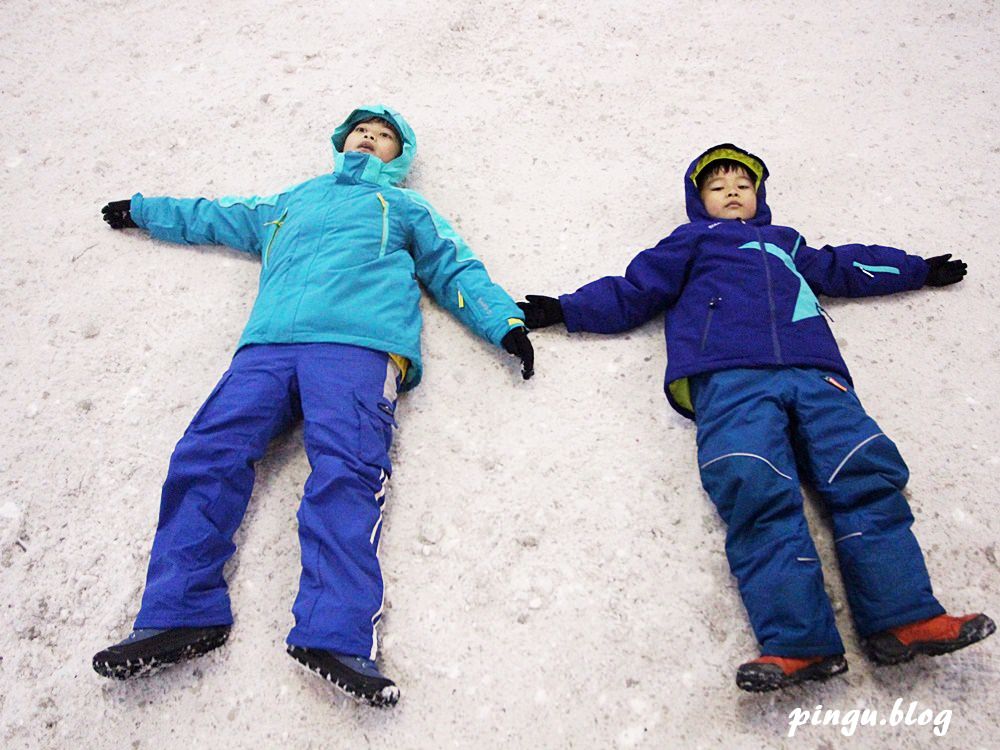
374,138
730,195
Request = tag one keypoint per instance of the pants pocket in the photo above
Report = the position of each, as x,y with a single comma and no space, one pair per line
376,419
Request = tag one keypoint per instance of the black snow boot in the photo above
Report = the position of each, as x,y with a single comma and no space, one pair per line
932,637
775,672
148,650
354,675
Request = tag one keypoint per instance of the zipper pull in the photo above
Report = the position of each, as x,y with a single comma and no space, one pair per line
835,384
277,222
866,272
823,310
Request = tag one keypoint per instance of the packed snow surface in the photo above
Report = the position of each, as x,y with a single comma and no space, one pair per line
555,574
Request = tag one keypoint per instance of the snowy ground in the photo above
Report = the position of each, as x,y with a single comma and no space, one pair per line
555,575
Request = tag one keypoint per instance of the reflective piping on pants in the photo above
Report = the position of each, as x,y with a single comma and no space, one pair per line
375,618
380,500
375,529
847,536
749,455
853,451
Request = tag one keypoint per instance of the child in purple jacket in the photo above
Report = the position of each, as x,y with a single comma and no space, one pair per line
754,363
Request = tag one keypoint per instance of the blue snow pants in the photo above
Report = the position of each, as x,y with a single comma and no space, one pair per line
346,397
757,428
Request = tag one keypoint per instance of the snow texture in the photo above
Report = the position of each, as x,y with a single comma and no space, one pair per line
555,574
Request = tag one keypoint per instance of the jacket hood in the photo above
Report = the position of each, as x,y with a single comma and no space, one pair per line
696,209
365,166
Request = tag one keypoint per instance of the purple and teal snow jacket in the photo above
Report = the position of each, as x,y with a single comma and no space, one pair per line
738,293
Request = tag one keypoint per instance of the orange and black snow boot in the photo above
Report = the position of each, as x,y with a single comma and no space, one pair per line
774,672
934,636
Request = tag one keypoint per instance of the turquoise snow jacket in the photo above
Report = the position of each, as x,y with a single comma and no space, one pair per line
341,254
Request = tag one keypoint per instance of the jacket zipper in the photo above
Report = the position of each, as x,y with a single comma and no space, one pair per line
277,225
385,223
770,296
712,304
870,271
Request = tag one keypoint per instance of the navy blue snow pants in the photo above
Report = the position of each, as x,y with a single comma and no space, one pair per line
346,397
757,428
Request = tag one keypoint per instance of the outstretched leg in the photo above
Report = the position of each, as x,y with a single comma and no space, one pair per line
348,402
860,475
208,487
748,469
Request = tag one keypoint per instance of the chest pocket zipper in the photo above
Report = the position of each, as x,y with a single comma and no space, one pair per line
277,225
712,304
385,223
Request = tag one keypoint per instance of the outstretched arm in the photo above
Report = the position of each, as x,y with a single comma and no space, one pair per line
869,270
459,282
239,223
652,282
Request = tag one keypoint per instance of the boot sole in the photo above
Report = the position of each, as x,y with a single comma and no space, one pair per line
765,682
385,697
892,651
143,667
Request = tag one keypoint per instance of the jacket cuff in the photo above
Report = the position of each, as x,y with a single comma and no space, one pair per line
135,210
570,318
496,332
921,270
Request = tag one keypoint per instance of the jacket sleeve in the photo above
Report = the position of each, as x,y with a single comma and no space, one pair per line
239,223
652,282
858,270
456,278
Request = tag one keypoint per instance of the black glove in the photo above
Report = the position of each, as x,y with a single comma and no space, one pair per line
540,311
118,214
516,342
943,271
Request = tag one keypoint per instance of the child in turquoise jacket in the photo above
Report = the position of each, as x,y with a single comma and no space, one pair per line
333,335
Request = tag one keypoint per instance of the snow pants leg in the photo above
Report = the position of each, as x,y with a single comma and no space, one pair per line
348,403
858,473
748,468
208,486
